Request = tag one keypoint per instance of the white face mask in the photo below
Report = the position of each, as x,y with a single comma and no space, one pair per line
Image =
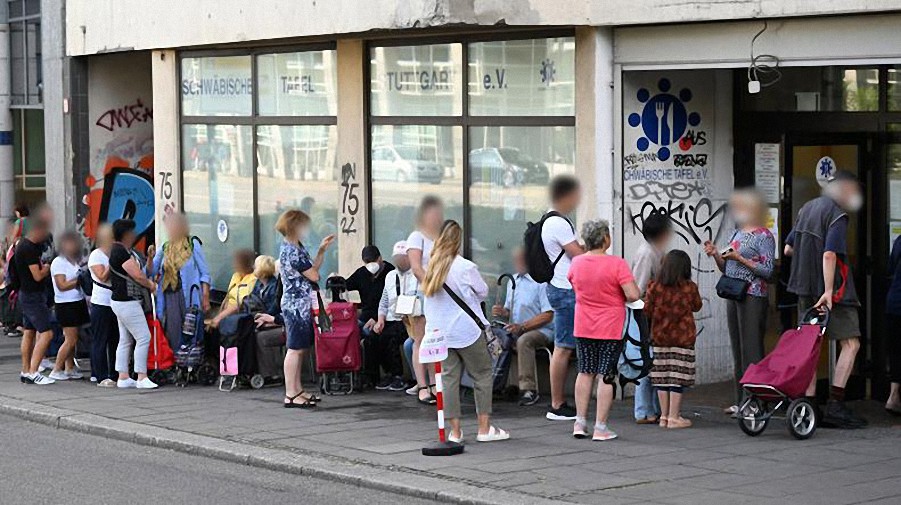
741,218
855,202
372,267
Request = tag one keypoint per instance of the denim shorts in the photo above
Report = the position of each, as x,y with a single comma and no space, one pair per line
35,313
298,329
563,301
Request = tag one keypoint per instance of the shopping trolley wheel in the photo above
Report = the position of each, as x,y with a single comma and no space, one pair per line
206,374
752,417
257,381
801,419
181,377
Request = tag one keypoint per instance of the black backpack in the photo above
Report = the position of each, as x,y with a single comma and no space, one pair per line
541,268
12,273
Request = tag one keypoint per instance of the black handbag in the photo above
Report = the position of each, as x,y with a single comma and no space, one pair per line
731,288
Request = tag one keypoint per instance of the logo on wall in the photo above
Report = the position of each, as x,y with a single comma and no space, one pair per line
664,120
825,169
548,72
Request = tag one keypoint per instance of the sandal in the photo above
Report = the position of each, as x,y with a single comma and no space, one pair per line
680,422
452,438
431,400
314,398
664,421
493,435
305,404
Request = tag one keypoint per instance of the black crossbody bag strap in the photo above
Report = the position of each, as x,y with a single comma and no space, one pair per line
459,301
397,283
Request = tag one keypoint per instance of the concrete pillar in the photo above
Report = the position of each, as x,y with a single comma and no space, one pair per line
353,195
166,159
595,122
57,148
7,172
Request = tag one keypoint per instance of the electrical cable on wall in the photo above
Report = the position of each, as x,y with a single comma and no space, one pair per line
763,71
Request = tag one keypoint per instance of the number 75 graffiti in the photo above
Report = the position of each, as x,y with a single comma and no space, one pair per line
350,202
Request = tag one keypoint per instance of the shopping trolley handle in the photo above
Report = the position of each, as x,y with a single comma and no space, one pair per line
816,315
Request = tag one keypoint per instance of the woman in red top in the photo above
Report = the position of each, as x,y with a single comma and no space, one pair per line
603,284
670,303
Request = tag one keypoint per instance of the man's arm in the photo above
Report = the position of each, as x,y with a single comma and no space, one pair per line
574,249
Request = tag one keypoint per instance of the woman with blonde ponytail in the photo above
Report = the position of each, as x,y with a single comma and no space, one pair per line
454,290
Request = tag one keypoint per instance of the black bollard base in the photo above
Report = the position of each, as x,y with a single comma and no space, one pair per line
442,449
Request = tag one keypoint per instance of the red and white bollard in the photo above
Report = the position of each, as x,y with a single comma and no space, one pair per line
443,447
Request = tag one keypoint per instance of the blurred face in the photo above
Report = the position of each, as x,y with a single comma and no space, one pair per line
176,227
433,218
745,211
128,240
402,262
71,248
104,237
569,202
237,265
850,196
519,262
46,213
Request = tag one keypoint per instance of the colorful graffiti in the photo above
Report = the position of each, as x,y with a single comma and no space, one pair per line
124,192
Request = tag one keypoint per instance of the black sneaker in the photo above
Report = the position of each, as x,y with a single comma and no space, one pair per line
564,412
528,398
384,385
397,384
838,415
25,378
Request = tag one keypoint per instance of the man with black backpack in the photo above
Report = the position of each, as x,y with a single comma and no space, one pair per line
550,246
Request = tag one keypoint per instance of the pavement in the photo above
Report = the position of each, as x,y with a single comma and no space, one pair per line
373,440
79,469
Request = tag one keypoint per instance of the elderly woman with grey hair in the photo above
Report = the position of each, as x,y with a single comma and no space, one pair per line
603,285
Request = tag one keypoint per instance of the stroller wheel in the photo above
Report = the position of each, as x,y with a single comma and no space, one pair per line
801,419
257,381
753,417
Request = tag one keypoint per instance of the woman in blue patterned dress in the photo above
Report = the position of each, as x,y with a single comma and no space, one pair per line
299,277
750,256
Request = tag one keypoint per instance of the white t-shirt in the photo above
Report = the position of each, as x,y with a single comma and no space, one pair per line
99,294
556,233
444,315
417,240
62,266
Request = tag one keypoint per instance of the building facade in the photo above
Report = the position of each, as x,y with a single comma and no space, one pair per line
232,112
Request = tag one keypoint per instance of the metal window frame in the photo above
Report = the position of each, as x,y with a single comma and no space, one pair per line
254,120
464,119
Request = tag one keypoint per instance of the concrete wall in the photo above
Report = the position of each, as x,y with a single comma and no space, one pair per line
57,151
685,174
114,25
119,179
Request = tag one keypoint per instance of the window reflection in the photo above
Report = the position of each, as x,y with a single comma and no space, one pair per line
417,80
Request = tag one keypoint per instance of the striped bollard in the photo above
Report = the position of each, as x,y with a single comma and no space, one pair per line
442,447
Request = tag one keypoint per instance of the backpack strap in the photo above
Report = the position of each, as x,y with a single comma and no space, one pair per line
459,301
554,213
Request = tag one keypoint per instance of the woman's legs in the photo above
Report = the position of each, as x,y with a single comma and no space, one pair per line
451,372
675,403
477,362
123,350
132,326
421,371
605,401
735,342
663,396
292,370
65,357
584,382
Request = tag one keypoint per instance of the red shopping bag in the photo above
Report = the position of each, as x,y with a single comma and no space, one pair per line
160,355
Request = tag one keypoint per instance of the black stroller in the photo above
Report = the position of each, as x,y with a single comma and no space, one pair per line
190,362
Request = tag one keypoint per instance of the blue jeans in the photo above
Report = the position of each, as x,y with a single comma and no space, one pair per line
646,402
408,352
563,301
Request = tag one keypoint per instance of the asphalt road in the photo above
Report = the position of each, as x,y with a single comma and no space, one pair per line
43,465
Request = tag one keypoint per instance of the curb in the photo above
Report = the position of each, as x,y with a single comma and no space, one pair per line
389,479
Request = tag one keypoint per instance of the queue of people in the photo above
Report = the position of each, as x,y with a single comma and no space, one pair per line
427,286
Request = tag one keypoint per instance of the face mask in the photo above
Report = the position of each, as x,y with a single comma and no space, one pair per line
373,267
855,202
741,218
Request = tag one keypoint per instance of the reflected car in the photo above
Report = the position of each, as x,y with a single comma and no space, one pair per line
403,164
506,166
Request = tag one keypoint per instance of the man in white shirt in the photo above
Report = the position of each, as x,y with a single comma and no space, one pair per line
390,332
561,244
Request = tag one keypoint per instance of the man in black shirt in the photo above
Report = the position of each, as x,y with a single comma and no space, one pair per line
31,272
369,280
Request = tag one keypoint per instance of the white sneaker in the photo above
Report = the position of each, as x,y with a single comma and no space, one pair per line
107,383
413,391
60,375
602,433
45,365
40,380
146,383
75,374
128,383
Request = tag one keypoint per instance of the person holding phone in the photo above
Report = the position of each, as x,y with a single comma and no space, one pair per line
749,256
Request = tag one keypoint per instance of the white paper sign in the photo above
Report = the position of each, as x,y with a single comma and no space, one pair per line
433,348
766,171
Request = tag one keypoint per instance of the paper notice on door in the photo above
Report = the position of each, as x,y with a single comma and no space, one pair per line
772,223
766,171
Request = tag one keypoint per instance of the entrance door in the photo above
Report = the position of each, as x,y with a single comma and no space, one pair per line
810,161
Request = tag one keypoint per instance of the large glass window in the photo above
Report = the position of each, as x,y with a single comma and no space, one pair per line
218,191
815,89
285,115
489,154
26,73
410,161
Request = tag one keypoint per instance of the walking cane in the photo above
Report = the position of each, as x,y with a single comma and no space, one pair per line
497,297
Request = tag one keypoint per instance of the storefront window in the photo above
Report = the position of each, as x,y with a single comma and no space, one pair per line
297,169
894,88
216,86
422,80
297,84
28,148
509,171
522,77
408,162
817,89
218,191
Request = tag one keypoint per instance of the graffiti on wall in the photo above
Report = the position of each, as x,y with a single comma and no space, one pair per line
125,116
669,169
350,202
